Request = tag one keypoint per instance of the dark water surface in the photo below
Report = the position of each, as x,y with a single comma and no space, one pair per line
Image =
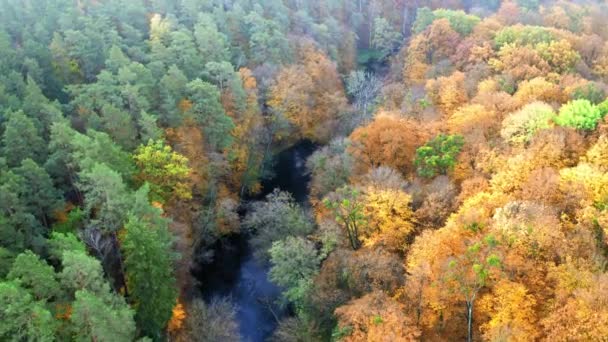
235,272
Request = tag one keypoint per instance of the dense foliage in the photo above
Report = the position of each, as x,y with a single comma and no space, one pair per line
459,190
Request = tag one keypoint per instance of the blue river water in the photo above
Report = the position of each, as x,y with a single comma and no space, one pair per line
235,272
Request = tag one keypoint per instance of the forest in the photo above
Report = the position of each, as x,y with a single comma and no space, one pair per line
303,170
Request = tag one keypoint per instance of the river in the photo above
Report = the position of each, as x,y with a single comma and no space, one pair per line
235,272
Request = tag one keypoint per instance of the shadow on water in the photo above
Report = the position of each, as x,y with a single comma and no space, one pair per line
234,271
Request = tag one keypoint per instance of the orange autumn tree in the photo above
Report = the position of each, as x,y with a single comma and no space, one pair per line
520,62
450,267
188,140
310,94
579,311
474,122
387,141
375,317
437,42
177,318
448,93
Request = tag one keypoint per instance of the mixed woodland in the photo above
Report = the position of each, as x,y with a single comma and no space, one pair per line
459,190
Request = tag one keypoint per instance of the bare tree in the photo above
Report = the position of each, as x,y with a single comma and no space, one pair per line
363,87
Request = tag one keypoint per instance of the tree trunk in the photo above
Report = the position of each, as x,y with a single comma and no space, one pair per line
470,321
405,19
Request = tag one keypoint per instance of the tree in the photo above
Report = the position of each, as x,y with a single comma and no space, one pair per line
474,122
81,272
21,140
188,140
207,111
182,52
221,73
60,242
530,5
468,273
374,317
19,229
424,18
23,318
172,94
295,261
107,199
591,91
266,40
251,136
448,93
539,89
579,114
114,101
40,196
150,276
459,21
520,62
512,313
72,152
116,59
586,181
389,218
363,87
37,107
346,204
582,314
213,321
522,35
385,38
438,156
98,147
34,275
521,126
310,94
330,167
166,171
276,218
95,318
212,44
148,127
386,141
120,126
560,55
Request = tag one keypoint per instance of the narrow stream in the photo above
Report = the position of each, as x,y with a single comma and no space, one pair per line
235,272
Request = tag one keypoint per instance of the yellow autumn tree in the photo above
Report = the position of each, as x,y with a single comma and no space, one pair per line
511,309
389,218
166,171
538,89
